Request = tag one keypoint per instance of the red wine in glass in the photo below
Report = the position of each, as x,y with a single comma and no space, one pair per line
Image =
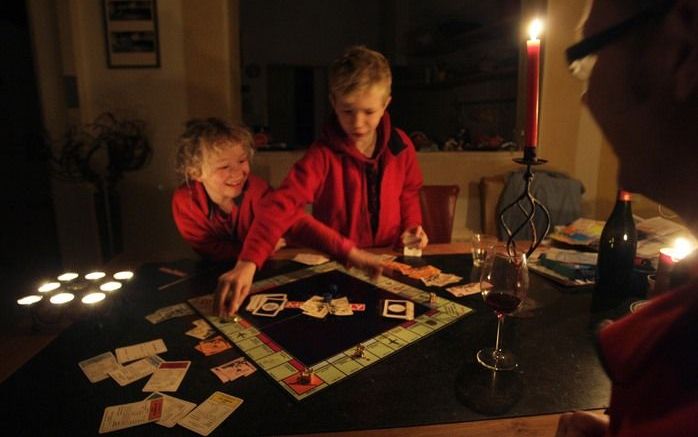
504,285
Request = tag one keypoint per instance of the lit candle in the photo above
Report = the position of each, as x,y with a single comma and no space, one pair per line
532,83
668,257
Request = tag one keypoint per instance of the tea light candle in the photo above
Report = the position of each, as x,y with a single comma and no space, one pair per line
668,257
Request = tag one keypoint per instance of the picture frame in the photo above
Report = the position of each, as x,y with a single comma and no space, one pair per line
131,33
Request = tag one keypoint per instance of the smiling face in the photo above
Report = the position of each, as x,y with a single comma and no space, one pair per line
224,171
360,112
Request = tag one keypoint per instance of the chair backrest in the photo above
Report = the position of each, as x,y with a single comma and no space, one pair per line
438,209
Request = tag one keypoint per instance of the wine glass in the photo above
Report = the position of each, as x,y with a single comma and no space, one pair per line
503,284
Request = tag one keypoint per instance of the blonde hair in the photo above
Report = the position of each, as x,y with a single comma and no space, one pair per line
358,69
210,134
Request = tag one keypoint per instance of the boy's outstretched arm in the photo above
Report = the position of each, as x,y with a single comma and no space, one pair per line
233,287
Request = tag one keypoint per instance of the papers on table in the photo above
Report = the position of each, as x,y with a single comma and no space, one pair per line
127,415
170,312
211,413
173,409
125,375
141,350
167,376
581,232
97,368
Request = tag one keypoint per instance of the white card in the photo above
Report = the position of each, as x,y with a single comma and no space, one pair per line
128,415
97,368
310,259
398,309
210,413
167,376
141,350
173,409
125,375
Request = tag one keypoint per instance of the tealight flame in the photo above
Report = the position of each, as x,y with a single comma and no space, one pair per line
93,298
110,286
62,298
535,28
67,276
95,276
29,300
123,276
49,286
682,248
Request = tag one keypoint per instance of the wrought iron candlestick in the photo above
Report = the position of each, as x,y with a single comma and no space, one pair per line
528,205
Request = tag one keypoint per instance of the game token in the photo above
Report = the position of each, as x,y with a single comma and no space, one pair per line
306,376
359,351
432,297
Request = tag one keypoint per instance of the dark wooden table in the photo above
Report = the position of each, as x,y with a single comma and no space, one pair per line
434,381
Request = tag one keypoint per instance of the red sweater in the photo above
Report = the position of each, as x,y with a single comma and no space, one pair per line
218,236
332,175
651,357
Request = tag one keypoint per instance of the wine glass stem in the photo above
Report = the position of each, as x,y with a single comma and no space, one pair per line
498,344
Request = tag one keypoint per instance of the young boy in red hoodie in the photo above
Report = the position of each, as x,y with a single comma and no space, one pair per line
362,176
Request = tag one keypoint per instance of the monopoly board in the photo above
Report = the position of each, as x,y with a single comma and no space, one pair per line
334,347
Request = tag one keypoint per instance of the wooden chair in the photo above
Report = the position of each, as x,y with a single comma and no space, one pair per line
438,204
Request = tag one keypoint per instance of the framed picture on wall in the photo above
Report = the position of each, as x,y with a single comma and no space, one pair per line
131,31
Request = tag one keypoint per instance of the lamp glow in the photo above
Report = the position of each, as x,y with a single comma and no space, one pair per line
29,300
110,286
62,298
123,276
49,286
93,276
93,298
682,248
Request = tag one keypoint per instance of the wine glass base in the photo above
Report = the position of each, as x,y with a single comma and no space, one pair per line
497,360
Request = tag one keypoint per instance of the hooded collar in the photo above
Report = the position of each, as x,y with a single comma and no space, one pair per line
334,137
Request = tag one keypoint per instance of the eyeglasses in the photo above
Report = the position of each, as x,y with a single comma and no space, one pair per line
581,57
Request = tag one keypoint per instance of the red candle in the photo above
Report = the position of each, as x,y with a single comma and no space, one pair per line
532,84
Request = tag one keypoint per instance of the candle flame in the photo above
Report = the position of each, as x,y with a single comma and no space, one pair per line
682,248
535,28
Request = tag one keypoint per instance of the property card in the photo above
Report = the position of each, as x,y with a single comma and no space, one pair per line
167,376
423,272
173,409
270,306
125,375
127,415
141,350
97,368
415,252
310,259
211,413
233,370
441,280
170,312
201,330
213,345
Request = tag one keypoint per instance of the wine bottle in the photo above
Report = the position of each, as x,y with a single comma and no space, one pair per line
617,247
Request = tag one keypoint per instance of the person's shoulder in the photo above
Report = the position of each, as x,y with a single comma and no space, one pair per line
185,193
400,142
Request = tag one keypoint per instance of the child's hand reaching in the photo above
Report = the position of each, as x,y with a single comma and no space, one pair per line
371,264
415,238
233,287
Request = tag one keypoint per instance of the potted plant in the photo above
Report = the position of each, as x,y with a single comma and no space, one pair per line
100,153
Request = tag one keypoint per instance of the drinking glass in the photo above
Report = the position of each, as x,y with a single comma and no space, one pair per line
482,244
504,284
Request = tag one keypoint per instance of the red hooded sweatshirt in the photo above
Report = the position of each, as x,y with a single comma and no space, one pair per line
333,177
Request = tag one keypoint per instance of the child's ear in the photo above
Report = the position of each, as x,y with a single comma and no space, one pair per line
194,174
387,102
683,22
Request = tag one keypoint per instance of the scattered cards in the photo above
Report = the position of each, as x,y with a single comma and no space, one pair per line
212,346
233,370
441,280
465,290
140,350
168,376
97,368
310,259
125,375
173,409
266,305
201,330
170,312
415,252
211,413
398,309
127,415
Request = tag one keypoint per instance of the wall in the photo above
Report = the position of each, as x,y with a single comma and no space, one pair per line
199,57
